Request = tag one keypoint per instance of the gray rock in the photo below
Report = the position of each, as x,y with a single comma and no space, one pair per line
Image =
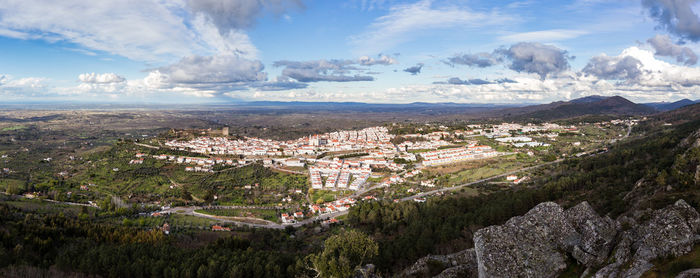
597,234
461,264
459,271
669,232
366,271
691,273
538,243
533,245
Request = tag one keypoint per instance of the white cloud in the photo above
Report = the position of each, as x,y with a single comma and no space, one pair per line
148,30
20,87
406,22
98,78
543,36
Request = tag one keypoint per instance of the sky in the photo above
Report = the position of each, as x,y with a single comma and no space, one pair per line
375,51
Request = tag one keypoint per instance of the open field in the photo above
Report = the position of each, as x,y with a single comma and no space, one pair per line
266,214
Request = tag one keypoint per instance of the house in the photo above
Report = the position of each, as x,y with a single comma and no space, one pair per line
427,183
419,200
294,163
287,219
298,214
330,221
520,180
218,228
511,177
165,228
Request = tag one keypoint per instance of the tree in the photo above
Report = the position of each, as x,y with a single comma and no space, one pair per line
343,253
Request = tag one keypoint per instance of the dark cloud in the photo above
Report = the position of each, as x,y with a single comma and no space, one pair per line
664,47
606,67
481,60
479,82
238,14
505,80
414,69
676,16
527,57
532,57
321,70
218,69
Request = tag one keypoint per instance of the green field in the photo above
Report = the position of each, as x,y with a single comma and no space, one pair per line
317,195
13,128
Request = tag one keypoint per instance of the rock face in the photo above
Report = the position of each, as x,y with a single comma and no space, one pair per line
542,242
669,232
531,245
460,264
691,273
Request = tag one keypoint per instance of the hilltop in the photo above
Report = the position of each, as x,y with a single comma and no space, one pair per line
591,105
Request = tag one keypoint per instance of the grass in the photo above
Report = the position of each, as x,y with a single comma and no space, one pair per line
670,267
475,170
13,184
327,195
177,221
13,128
44,207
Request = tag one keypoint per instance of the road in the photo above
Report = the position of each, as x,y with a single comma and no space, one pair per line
191,211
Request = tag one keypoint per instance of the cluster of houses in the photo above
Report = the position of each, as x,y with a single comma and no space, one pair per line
338,174
452,155
368,138
505,129
521,141
203,164
293,218
335,206
343,204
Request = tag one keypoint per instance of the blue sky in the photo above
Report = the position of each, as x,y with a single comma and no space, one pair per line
202,51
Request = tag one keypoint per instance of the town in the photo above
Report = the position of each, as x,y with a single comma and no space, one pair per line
369,161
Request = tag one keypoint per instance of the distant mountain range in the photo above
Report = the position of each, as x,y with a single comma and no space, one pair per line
591,105
667,106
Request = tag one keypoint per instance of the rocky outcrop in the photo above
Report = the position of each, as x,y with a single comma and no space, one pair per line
460,264
668,232
543,241
533,245
691,273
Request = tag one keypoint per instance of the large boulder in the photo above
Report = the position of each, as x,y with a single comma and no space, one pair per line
597,234
668,232
532,245
539,243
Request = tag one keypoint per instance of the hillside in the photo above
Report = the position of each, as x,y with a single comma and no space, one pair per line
655,168
592,105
